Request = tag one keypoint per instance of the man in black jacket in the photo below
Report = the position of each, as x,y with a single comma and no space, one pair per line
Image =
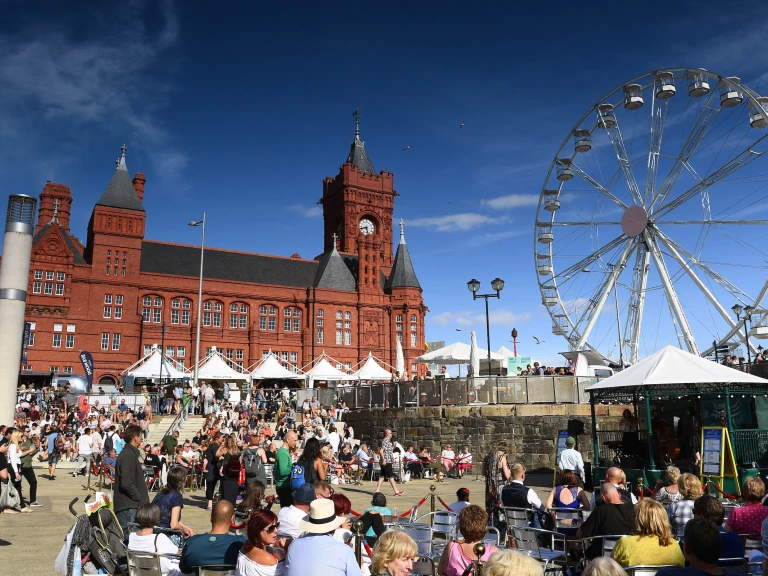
130,488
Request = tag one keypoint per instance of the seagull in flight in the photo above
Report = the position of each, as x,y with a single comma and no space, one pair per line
462,124
538,341
408,147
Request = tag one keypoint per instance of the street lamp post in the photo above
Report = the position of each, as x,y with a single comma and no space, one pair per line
498,286
200,223
514,340
748,310
162,352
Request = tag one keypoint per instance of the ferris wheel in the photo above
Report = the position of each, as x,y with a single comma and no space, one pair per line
648,229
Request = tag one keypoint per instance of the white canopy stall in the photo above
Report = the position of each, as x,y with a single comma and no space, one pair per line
215,367
324,370
372,370
270,368
456,353
150,367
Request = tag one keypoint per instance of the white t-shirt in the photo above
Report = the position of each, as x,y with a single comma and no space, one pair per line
289,519
449,454
85,445
138,543
334,439
458,506
362,457
97,441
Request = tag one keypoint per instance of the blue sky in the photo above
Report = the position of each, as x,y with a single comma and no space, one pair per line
241,109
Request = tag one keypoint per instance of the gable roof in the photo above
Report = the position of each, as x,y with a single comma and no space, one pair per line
120,192
333,273
403,274
71,246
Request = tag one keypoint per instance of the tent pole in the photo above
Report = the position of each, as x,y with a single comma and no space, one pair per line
728,420
651,460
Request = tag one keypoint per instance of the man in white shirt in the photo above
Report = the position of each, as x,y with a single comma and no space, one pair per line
516,494
84,451
570,459
334,439
364,461
98,445
291,516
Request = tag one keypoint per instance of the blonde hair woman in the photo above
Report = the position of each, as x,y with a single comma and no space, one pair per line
505,562
652,543
14,460
667,489
748,518
602,566
680,512
393,554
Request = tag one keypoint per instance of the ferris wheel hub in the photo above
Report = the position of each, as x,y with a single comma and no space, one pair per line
634,221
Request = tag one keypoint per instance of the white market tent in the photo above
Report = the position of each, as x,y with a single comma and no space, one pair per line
270,368
506,352
324,370
672,366
372,370
214,367
149,367
457,353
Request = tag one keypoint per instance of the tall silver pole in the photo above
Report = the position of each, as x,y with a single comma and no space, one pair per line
199,301
14,277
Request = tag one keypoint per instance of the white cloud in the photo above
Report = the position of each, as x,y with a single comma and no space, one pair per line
54,77
491,237
307,211
453,222
511,201
471,319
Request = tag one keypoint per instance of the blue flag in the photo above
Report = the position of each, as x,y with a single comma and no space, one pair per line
87,360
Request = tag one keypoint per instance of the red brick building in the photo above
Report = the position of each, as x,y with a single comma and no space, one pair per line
112,295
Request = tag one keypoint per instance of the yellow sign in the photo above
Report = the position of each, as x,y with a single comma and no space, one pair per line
717,461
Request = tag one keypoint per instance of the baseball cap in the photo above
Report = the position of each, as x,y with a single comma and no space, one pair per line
570,441
305,493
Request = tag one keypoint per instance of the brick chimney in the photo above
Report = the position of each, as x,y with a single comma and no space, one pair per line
138,184
55,201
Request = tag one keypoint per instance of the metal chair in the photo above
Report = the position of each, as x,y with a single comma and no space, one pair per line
151,478
424,566
567,518
493,536
269,471
754,568
733,565
443,522
643,570
421,534
223,570
375,471
607,543
527,540
147,563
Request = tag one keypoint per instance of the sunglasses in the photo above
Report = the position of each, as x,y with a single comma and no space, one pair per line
272,528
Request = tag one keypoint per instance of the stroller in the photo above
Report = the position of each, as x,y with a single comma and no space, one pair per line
99,537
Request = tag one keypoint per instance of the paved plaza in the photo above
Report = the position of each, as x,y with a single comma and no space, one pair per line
31,541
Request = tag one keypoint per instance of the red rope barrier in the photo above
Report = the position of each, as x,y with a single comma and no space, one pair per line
730,496
368,550
444,504
355,513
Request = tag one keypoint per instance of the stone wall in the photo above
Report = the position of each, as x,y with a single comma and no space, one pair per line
528,429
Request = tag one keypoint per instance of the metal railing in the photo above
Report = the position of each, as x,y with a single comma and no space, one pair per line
180,417
751,447
610,440
134,402
456,392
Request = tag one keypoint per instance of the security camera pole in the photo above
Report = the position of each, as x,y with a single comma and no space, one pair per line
14,276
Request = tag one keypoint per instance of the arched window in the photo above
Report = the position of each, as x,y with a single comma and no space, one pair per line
320,321
212,313
152,309
414,326
399,327
186,306
238,315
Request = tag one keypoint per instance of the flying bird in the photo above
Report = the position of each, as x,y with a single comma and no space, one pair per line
408,147
462,124
538,341
477,163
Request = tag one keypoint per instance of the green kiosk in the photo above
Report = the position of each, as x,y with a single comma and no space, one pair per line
675,397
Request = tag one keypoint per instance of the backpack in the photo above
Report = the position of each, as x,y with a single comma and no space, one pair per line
58,443
233,468
297,476
109,443
254,467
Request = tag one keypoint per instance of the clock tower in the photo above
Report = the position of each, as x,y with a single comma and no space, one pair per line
357,208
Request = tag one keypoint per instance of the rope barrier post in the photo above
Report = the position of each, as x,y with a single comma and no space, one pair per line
640,488
432,504
357,530
479,551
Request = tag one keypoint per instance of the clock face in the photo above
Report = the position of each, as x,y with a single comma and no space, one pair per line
366,227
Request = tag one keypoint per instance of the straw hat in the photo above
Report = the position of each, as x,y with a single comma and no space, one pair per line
322,518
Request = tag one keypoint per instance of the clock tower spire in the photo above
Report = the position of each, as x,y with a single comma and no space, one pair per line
357,207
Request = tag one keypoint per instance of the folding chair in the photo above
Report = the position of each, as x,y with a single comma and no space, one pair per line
269,470
527,540
443,522
493,536
151,478
643,570
608,543
567,518
147,563
733,565
375,471
754,568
